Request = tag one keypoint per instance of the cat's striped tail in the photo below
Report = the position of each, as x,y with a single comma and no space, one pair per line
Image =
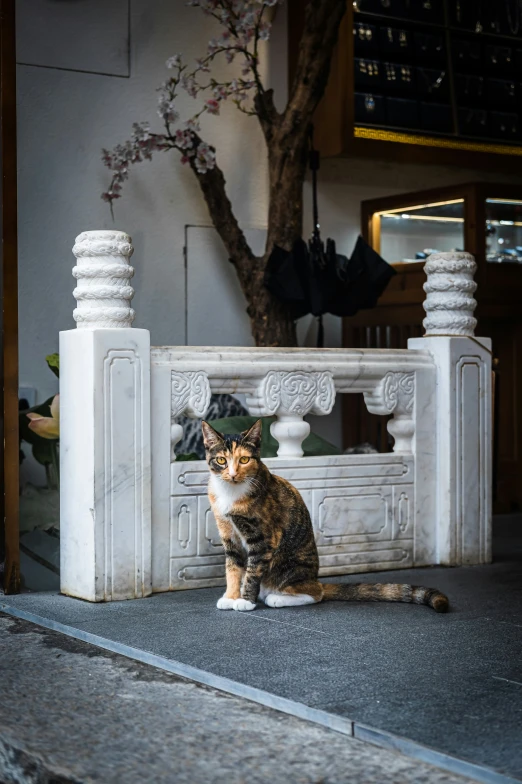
386,592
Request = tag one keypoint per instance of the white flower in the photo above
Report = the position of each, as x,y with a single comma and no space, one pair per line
205,158
264,31
192,125
174,61
141,131
166,109
189,85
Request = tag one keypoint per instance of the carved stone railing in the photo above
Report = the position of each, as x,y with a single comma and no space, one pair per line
293,383
132,524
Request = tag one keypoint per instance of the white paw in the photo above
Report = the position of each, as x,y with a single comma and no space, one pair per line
225,603
288,600
243,605
273,600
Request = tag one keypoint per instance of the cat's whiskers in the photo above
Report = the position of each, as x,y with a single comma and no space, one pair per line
255,483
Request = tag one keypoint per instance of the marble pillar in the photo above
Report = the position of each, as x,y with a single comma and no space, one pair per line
105,516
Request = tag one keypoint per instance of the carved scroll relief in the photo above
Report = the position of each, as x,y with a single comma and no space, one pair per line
296,393
395,394
292,395
190,395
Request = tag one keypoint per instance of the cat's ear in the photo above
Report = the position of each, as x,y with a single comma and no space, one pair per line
211,437
252,436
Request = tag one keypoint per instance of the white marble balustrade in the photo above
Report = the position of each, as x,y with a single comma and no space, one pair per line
135,520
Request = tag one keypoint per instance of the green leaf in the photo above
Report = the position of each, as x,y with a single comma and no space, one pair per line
43,451
189,456
53,360
313,444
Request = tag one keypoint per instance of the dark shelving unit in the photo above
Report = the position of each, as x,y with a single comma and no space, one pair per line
426,81
447,68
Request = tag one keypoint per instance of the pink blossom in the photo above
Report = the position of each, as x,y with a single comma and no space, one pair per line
220,92
184,139
212,106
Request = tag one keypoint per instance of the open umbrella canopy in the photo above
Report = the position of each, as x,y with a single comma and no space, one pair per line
317,280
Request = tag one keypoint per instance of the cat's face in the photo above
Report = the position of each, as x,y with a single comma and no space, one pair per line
234,458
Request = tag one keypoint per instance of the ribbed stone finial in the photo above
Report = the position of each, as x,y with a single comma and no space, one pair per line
449,304
103,272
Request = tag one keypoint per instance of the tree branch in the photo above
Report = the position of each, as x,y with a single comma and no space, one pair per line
213,187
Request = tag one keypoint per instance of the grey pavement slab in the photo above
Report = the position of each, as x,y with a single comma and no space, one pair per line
71,712
451,682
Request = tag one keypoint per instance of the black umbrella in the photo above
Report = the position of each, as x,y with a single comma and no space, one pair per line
314,279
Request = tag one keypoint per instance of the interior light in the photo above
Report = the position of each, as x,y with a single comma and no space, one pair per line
503,201
435,218
424,206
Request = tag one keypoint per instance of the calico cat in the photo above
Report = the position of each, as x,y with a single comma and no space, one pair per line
268,537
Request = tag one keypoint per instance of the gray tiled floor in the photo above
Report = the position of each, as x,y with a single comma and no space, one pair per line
451,682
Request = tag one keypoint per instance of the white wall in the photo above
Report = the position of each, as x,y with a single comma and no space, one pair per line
64,119
66,116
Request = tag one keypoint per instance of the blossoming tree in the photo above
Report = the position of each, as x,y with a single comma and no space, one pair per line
244,23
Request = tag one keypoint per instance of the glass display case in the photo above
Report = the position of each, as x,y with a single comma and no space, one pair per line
504,231
409,234
485,220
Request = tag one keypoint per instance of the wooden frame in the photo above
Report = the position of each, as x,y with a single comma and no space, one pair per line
9,523
399,315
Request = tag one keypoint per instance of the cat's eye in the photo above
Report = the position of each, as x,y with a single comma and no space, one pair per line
221,461
244,459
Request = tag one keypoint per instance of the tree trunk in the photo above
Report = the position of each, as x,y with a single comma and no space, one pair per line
270,319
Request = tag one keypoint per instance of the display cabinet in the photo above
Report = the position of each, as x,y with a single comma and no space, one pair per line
425,80
485,220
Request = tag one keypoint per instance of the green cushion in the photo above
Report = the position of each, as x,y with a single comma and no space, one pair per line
313,445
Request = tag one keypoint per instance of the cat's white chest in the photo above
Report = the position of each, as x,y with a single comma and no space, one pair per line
226,494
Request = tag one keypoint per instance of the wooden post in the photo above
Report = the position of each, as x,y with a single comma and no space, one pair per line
9,525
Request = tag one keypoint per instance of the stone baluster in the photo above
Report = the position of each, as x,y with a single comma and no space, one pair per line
105,454
395,394
291,396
